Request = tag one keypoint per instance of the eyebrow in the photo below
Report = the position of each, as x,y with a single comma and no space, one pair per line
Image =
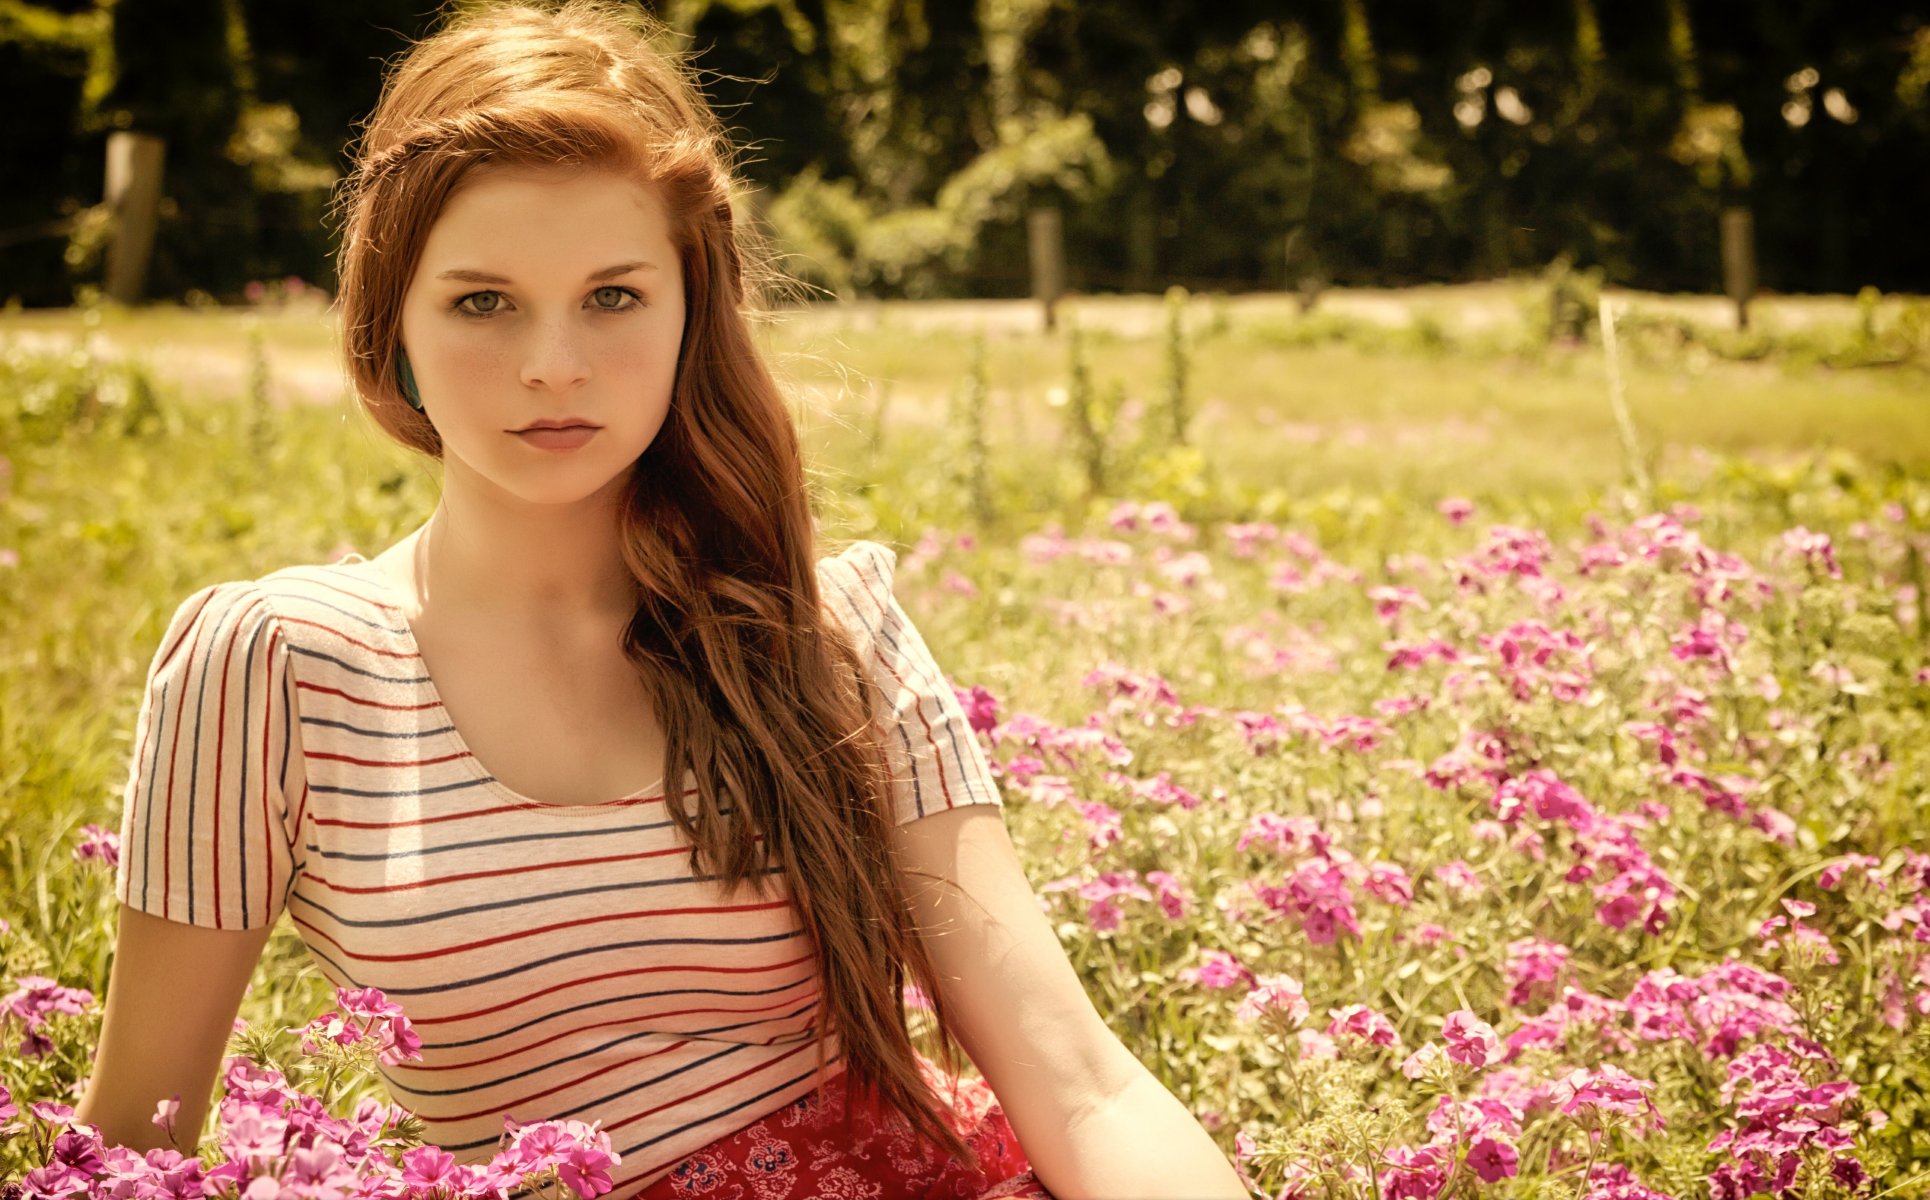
468,276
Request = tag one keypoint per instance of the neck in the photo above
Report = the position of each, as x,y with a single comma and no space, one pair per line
558,565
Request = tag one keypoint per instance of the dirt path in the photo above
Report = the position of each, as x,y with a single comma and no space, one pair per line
207,352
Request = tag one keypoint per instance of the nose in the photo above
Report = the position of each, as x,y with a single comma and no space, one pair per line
555,359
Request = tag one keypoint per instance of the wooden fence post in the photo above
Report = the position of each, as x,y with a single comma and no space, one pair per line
1739,260
1045,239
133,188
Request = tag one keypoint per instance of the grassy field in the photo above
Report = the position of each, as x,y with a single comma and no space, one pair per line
1375,390
1416,794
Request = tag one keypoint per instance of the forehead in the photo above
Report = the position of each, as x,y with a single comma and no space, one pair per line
533,213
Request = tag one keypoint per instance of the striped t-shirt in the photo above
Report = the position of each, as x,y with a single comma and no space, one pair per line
558,961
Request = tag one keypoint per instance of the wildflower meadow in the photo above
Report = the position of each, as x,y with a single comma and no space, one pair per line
1463,830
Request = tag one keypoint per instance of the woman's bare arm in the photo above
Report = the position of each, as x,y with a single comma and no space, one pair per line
1091,1118
172,995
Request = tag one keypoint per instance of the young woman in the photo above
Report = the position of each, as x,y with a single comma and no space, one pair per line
642,810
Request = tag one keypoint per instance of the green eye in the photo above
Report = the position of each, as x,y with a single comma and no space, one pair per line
494,299
618,292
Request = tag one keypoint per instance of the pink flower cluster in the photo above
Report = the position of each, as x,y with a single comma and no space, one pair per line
1269,646
1783,1118
1628,886
1481,1133
1364,1023
1814,549
1278,997
1153,516
1716,1011
1605,1093
1319,890
1069,746
1264,732
367,1017
1052,544
1105,896
1159,792
1533,970
1508,551
1533,659
1148,699
1786,932
33,1000
278,1143
1662,541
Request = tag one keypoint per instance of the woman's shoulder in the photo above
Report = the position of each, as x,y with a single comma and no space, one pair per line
861,561
855,587
290,601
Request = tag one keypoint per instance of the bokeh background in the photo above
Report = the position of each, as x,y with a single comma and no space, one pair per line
897,144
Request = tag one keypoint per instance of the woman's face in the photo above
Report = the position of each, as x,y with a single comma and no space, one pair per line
545,295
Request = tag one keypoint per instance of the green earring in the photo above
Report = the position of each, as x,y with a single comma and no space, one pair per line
407,377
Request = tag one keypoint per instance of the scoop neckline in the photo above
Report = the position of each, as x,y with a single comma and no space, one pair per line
483,774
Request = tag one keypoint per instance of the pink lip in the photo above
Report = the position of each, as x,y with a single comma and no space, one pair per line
547,437
557,423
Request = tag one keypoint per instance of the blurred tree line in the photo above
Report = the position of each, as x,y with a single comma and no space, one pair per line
896,145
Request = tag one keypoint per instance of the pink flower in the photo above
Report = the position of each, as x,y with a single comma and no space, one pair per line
427,1167
1102,822
98,845
579,1153
1391,884
1813,548
1217,970
1276,994
1470,1040
1104,910
1459,878
1608,1089
1831,877
586,1169
1415,1174
1457,509
1492,1159
1174,901
1423,1061
1533,969
319,1171
1360,1021
954,582
981,708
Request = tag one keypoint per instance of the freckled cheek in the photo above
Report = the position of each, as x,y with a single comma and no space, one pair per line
465,360
483,362
652,360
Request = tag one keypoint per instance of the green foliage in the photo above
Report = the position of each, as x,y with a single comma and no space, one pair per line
1572,303
974,474
838,240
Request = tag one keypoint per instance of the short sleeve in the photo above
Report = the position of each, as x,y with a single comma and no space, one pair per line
935,759
206,827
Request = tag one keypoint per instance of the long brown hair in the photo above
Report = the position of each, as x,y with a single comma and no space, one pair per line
761,693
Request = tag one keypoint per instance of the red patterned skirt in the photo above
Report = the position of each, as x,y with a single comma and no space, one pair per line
801,1152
